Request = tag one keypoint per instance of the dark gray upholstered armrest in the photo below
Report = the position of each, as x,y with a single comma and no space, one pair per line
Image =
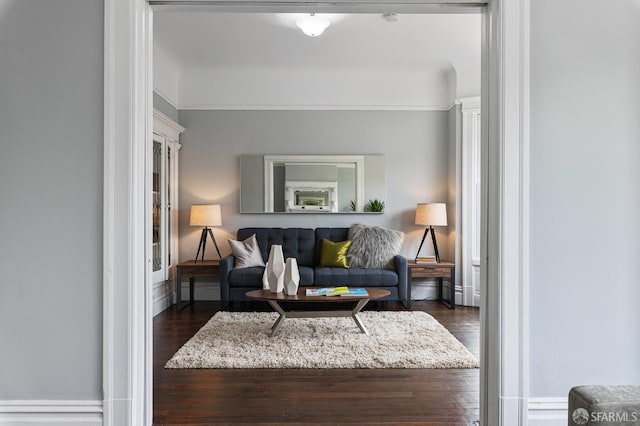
226,265
403,282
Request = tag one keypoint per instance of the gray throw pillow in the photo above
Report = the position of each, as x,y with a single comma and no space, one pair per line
373,246
246,253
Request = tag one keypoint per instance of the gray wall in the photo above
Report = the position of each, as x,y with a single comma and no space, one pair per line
414,145
585,195
584,189
51,83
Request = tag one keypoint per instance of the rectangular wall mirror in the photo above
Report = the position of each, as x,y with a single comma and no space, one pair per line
310,183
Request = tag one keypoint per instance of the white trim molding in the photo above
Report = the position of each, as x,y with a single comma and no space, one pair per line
472,102
339,6
166,126
470,206
548,411
504,316
46,413
128,101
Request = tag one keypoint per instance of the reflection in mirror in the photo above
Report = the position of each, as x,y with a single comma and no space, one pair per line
309,183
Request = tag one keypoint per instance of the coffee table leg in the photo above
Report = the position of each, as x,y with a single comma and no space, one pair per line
283,315
276,325
356,318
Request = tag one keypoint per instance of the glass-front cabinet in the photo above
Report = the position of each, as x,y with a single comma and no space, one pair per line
164,212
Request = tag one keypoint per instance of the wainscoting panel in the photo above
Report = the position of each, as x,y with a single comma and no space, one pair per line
51,413
162,303
163,295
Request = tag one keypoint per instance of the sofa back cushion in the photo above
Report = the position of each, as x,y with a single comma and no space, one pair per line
295,242
332,234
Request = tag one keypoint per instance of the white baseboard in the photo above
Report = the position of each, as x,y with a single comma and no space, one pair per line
163,303
548,411
50,413
459,296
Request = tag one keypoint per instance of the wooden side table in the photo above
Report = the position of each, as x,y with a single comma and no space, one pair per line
194,269
441,271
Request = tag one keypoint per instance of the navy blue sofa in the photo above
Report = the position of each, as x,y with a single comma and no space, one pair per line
304,244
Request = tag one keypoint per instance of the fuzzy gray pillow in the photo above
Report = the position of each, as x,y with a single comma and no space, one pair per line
373,246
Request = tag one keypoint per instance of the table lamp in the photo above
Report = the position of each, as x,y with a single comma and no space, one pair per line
207,215
431,214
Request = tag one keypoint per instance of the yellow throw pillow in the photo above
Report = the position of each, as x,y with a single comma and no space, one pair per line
334,255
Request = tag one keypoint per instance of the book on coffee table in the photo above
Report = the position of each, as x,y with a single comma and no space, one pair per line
337,291
356,291
316,291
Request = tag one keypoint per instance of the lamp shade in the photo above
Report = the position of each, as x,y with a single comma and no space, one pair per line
205,215
431,214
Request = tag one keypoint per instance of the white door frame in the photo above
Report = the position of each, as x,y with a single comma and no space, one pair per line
470,171
127,337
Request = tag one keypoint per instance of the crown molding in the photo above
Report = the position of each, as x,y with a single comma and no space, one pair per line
165,124
211,107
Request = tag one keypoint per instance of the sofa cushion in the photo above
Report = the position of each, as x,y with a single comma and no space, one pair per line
362,277
373,246
334,254
295,242
246,253
252,277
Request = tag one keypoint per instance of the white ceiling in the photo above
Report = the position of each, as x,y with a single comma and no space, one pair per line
230,45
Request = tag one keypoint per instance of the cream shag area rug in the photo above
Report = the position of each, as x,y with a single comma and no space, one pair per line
395,340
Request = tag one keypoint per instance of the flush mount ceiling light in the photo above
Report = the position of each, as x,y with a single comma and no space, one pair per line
313,25
390,17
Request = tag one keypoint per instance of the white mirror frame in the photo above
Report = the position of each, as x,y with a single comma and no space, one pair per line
127,325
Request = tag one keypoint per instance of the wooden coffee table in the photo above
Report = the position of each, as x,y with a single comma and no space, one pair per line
274,300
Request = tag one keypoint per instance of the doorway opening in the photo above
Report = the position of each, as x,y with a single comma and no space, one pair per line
430,60
504,229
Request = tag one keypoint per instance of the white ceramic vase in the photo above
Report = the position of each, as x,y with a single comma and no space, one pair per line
291,276
265,278
275,269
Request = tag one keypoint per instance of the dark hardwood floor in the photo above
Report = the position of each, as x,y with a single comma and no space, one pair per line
312,397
